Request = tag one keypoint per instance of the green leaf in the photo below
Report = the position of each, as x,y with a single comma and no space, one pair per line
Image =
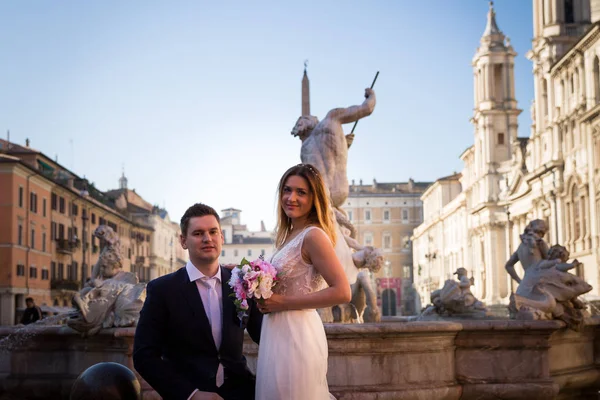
244,262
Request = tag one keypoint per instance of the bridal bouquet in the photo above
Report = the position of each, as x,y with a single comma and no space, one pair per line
251,279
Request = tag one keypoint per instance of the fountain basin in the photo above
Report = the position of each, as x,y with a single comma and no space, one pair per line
503,359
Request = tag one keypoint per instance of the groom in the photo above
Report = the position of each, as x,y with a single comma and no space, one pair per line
188,342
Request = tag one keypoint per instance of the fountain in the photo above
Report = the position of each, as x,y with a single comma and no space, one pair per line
533,356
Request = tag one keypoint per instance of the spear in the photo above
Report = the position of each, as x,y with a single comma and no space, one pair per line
372,84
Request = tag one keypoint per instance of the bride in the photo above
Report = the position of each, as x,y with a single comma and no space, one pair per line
292,357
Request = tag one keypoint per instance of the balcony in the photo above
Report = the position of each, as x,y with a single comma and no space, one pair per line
139,260
66,246
65,285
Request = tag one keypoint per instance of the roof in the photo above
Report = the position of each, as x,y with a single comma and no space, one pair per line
389,188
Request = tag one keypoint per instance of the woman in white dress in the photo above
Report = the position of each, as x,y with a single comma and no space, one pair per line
292,357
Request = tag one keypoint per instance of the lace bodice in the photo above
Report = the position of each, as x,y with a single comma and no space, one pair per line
297,276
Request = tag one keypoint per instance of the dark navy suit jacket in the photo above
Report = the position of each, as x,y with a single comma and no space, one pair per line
174,350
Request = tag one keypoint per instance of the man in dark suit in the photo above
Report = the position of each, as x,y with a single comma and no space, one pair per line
188,342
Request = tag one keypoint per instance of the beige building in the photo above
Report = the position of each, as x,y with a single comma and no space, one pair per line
240,242
553,174
384,215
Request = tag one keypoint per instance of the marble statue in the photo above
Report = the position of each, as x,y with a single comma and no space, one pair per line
547,290
455,299
109,261
112,297
109,303
325,146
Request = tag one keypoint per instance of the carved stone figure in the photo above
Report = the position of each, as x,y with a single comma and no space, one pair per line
112,297
455,299
109,261
113,302
547,290
325,146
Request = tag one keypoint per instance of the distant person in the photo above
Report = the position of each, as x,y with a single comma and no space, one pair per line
32,312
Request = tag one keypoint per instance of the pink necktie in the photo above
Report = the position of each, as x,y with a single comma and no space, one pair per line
214,312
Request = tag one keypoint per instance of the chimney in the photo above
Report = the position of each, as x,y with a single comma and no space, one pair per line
262,226
26,142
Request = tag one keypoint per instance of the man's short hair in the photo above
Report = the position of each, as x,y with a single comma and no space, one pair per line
29,299
197,210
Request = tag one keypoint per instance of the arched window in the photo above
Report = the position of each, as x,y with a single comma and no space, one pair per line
562,94
575,201
545,97
597,79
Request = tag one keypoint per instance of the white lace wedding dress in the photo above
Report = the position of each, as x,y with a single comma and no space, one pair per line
292,357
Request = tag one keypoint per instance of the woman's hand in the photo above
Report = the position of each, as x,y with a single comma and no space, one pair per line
273,304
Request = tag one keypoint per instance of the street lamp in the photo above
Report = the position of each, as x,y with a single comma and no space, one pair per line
387,269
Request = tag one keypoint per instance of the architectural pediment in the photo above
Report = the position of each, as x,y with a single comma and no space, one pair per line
518,185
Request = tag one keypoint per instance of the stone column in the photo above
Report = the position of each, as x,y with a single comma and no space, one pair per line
7,309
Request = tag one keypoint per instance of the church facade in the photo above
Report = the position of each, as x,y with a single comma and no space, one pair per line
473,219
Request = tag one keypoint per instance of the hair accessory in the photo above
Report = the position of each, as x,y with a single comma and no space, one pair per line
310,168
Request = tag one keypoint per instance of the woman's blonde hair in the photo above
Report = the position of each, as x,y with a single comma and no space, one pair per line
320,215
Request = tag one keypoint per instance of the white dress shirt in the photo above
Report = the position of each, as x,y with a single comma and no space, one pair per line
215,317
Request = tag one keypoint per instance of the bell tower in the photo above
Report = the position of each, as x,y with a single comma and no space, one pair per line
495,113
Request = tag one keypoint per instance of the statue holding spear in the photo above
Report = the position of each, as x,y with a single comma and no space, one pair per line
325,146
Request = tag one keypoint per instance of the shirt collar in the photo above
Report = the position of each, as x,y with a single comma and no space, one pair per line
194,273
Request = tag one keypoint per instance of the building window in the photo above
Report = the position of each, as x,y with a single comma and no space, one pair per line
20,235
569,12
222,253
44,207
404,215
387,241
249,252
262,252
32,239
33,202
350,216
61,205
21,196
54,201
61,271
235,253
53,269
75,209
93,218
44,242
386,215
20,270
501,138
367,215
32,272
45,274
597,79
368,239
61,231
72,272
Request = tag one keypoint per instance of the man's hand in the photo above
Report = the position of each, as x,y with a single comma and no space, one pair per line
206,396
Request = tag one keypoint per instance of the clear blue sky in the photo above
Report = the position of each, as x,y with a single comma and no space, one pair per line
197,99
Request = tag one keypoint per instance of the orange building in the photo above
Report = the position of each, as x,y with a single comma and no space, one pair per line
47,218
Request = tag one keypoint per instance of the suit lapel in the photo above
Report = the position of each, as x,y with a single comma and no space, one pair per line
192,296
226,302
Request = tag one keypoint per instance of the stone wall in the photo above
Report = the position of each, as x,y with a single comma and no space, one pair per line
501,359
